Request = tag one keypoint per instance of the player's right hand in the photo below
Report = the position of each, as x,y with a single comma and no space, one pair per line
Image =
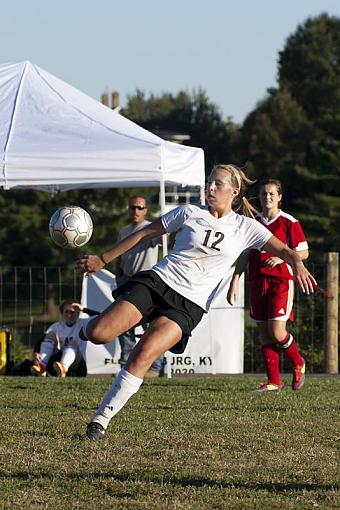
78,307
90,264
37,356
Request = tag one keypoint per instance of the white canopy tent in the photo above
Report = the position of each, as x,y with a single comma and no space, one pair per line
54,137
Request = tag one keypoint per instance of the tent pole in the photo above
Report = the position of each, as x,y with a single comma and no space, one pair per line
162,204
202,195
165,246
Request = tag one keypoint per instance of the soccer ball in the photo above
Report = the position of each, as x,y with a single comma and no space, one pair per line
71,227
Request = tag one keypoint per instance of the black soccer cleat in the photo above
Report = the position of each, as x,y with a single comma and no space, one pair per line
95,431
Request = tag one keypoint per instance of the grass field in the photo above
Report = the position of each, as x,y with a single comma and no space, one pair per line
185,443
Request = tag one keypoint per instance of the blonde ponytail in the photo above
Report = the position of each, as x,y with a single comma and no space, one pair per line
241,205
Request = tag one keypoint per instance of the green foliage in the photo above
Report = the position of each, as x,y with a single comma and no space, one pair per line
275,136
193,115
20,351
184,443
309,66
294,133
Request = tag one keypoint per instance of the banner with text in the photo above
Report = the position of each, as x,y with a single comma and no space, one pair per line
215,347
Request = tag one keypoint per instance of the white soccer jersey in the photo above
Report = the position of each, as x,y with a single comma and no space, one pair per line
205,249
64,331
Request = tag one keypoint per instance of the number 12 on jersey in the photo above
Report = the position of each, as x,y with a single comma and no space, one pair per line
219,236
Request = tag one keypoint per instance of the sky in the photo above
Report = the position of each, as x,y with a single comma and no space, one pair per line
227,48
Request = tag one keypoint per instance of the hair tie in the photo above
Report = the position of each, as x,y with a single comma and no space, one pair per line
236,174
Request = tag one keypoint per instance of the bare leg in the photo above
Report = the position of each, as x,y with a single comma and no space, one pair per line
115,320
161,335
277,330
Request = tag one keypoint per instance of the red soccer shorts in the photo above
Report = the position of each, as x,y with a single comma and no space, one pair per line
271,299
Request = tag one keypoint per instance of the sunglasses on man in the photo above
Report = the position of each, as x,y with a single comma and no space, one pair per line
139,207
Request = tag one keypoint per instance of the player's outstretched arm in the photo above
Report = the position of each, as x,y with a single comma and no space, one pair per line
93,263
305,279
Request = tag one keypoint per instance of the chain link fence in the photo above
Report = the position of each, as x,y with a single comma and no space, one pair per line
29,299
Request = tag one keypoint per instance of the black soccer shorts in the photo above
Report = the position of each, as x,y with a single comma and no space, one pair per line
154,298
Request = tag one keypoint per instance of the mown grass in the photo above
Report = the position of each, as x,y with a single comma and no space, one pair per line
185,443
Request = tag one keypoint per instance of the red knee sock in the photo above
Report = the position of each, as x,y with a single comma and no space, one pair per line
271,358
290,349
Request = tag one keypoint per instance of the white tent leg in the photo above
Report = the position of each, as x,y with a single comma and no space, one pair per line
202,195
165,252
162,204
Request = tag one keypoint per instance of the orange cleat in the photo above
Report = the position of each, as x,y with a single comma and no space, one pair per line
265,387
60,369
38,369
298,377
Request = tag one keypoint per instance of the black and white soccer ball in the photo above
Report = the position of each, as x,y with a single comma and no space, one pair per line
71,227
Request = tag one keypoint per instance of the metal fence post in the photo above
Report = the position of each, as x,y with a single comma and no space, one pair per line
332,314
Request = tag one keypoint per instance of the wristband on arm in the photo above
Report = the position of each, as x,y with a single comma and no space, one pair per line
102,259
90,312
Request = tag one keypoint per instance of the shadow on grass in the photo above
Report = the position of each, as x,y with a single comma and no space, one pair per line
184,387
182,482
22,406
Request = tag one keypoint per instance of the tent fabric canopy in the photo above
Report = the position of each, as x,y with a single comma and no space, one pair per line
54,137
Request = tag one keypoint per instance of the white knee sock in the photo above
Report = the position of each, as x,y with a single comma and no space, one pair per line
123,387
68,357
46,351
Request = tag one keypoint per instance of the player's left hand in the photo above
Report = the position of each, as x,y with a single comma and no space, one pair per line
90,264
272,262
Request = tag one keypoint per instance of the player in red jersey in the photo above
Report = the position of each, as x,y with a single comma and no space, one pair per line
271,283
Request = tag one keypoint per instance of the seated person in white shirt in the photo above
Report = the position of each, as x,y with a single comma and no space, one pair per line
61,345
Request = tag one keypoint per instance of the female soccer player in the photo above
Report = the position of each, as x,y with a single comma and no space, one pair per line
178,290
271,283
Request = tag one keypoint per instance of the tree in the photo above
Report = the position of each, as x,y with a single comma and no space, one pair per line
192,114
293,134
309,67
275,136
